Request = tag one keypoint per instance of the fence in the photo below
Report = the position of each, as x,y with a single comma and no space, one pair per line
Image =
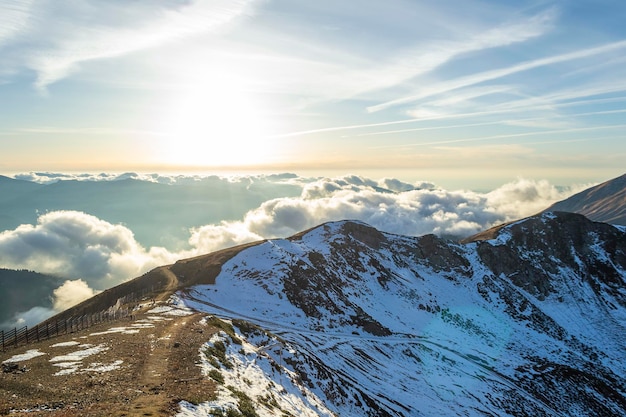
49,329
52,328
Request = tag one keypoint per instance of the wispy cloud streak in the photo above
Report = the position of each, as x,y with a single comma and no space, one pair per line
122,28
504,136
14,18
494,122
498,73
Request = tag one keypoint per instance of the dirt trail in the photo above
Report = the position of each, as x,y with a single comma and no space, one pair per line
157,375
159,368
171,286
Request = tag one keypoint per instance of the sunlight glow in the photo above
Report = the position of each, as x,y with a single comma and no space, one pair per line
214,125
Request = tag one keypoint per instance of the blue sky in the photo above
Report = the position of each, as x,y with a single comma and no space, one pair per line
464,93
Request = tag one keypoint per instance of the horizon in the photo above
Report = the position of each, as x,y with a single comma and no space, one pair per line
469,95
448,182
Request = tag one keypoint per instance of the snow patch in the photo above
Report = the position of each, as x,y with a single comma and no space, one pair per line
29,354
171,311
79,355
64,344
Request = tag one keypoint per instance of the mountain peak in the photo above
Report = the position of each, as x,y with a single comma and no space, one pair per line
344,319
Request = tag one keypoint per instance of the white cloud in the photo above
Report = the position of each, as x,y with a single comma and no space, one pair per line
28,318
390,205
210,238
332,72
71,293
77,245
67,295
474,79
89,30
94,254
14,18
524,197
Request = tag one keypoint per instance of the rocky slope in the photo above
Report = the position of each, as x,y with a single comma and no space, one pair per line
526,319
360,322
605,202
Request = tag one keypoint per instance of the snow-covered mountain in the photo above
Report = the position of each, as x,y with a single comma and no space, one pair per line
605,202
526,320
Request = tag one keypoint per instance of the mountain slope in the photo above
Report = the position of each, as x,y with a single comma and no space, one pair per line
605,202
528,323
22,291
526,319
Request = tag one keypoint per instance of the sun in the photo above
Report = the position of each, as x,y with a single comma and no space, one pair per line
215,125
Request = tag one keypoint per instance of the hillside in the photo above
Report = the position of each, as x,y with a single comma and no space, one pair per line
605,202
346,320
23,290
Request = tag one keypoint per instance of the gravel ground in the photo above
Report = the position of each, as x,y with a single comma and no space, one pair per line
139,366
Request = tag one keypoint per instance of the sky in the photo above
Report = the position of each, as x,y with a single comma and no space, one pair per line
464,93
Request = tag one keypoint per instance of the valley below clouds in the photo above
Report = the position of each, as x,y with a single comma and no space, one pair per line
98,231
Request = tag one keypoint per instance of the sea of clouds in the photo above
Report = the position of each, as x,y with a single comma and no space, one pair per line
93,254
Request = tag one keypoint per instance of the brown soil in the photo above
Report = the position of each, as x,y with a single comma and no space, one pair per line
159,369
160,363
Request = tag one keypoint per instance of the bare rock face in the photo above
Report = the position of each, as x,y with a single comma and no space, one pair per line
539,248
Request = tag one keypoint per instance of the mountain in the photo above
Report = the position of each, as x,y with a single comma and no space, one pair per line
22,291
530,322
603,203
526,320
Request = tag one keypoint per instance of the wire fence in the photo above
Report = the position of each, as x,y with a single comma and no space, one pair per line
57,327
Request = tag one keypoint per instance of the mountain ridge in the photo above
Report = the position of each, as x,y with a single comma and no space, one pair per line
343,319
605,202
426,272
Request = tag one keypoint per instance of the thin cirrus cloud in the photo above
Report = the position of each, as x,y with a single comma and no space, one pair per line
14,19
474,79
552,101
114,29
334,80
509,136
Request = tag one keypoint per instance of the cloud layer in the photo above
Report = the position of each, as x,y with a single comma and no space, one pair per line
65,296
389,205
94,254
77,245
